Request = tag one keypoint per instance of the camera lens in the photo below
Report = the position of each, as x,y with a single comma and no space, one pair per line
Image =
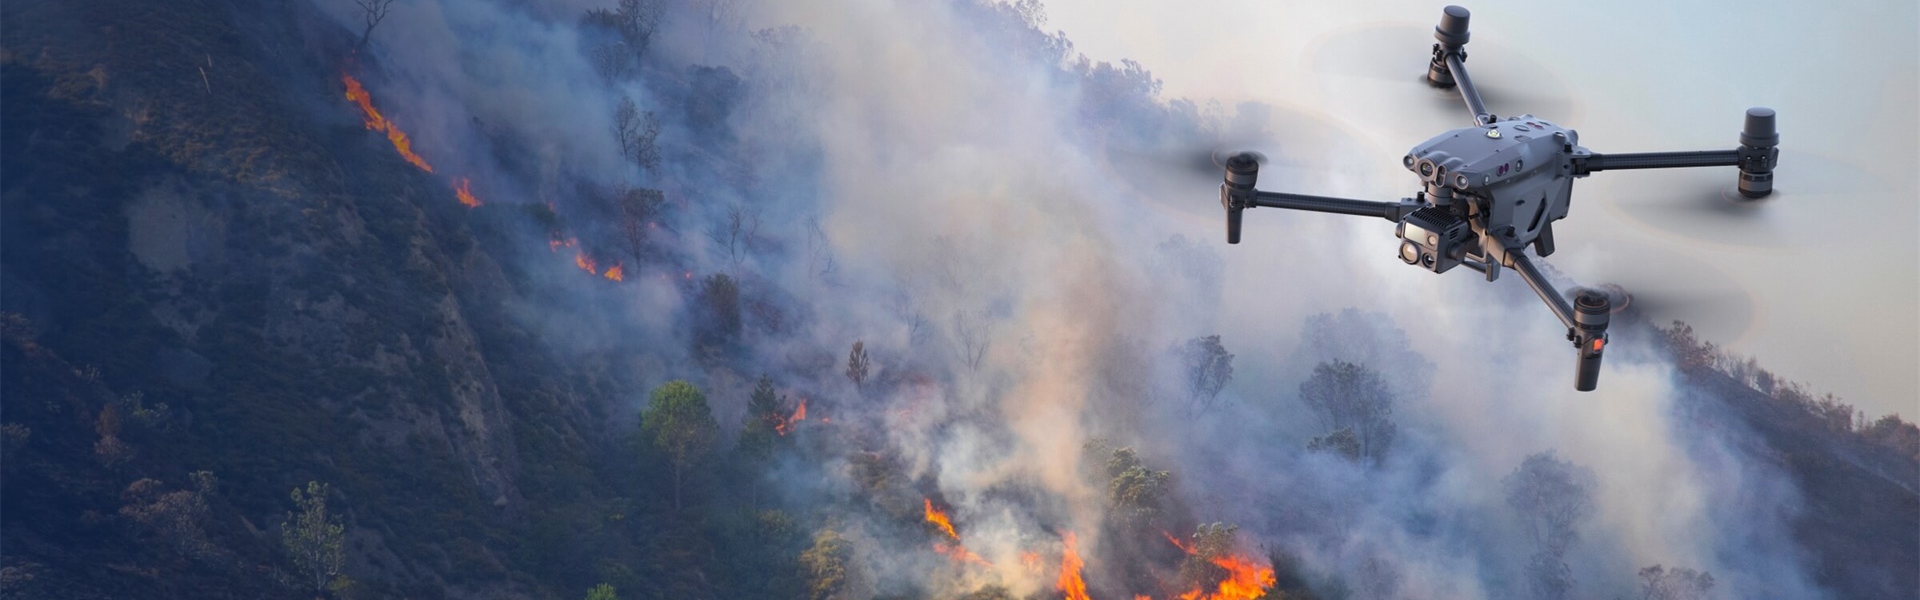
1409,252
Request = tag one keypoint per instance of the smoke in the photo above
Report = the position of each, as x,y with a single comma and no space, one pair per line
941,181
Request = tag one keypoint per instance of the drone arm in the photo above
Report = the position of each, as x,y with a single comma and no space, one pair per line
1655,160
1586,319
1391,211
1542,287
1458,67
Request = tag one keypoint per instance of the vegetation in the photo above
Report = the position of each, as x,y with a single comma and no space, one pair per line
314,538
1354,407
341,318
679,423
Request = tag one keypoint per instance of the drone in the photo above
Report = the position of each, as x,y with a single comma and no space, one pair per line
1492,189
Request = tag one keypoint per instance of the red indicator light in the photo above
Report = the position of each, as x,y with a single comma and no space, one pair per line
1599,343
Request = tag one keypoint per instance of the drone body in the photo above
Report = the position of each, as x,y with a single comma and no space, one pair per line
1495,188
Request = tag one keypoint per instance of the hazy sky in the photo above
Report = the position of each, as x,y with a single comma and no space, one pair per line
1820,283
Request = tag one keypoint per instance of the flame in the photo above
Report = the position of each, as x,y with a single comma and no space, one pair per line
465,192
1176,542
1246,580
939,518
580,259
955,551
799,414
960,554
1030,560
1070,565
376,122
617,273
556,244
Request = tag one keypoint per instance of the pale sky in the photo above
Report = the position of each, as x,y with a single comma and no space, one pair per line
1821,283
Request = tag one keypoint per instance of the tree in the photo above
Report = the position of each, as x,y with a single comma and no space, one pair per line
1209,542
1681,583
1134,491
1349,396
637,133
1207,368
858,364
719,325
679,423
602,592
760,428
826,561
1553,497
372,12
971,330
737,233
639,211
314,538
176,518
1341,442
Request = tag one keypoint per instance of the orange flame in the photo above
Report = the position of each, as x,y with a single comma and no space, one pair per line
1246,580
1187,548
799,414
556,244
1030,560
960,554
376,122
939,518
580,259
1070,565
617,273
465,192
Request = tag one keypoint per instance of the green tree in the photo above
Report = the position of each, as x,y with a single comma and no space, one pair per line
826,565
1210,541
760,428
314,538
679,422
602,592
857,365
1134,490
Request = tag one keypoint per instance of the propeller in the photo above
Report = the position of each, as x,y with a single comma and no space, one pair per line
1663,285
1397,53
1816,201
1169,169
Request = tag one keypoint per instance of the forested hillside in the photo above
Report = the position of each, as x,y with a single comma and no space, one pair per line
642,299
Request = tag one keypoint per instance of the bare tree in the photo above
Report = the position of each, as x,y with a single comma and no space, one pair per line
970,331
858,364
637,133
737,233
820,261
372,12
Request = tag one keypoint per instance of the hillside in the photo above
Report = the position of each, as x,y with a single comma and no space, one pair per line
220,287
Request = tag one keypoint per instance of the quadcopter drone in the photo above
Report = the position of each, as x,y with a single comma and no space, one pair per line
1496,187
